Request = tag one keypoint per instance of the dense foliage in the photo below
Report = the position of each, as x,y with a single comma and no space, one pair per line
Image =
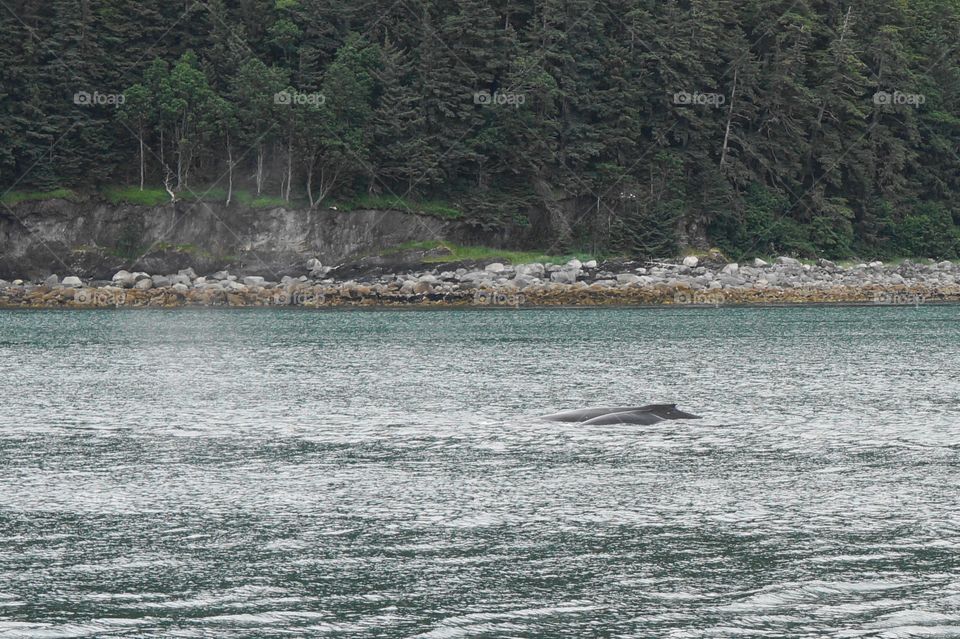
761,126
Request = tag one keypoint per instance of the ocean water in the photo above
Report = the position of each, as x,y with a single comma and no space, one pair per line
278,473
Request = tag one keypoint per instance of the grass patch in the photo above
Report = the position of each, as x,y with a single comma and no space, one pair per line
435,208
133,195
460,253
15,197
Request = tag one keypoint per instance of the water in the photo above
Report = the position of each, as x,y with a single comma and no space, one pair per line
346,474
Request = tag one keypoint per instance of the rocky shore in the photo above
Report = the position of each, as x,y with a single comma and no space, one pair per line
692,281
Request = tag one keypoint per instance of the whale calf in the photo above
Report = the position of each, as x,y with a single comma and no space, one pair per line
643,415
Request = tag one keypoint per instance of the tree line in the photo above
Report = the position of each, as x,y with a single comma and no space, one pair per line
761,126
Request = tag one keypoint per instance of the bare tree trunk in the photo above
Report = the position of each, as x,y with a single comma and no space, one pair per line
142,160
229,173
166,185
289,166
259,169
310,181
726,136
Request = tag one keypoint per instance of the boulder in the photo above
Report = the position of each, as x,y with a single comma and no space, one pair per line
51,281
124,279
758,263
787,261
220,275
144,284
564,276
590,264
180,287
691,261
731,269
188,273
313,264
4,284
575,264
253,280
627,278
72,281
160,281
531,270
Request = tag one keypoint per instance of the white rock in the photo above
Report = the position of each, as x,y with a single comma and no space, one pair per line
691,261
575,264
253,280
144,284
532,270
877,264
731,268
565,276
590,264
72,281
496,267
758,263
181,288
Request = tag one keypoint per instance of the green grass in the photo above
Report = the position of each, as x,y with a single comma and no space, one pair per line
460,253
15,197
133,195
435,208
153,196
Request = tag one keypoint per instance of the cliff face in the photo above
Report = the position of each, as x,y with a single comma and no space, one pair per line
94,240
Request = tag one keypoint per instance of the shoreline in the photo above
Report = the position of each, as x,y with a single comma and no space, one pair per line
685,284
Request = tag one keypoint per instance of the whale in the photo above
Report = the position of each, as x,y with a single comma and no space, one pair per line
643,415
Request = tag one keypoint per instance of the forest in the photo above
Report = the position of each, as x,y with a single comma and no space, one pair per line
803,127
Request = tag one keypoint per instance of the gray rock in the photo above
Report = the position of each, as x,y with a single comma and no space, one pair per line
72,281
253,280
876,265
575,264
160,281
233,285
758,263
189,273
731,268
144,284
605,283
826,264
51,281
691,260
787,261
627,278
565,276
5,284
220,275
124,279
180,279
531,270
495,267
313,264
180,287
590,264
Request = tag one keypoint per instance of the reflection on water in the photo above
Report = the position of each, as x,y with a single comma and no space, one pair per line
280,473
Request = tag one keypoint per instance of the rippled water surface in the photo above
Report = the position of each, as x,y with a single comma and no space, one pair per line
351,474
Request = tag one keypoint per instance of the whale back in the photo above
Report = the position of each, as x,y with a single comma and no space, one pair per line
584,414
640,417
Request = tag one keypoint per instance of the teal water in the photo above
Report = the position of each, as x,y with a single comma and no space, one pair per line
348,474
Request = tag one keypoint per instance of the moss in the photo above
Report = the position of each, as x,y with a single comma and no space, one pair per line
15,197
458,253
444,210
